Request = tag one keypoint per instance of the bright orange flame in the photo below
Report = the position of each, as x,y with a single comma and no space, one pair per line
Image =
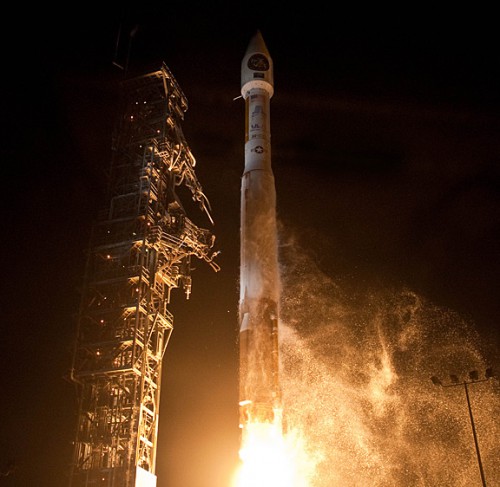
270,459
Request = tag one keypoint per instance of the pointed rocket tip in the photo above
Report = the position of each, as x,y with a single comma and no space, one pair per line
257,44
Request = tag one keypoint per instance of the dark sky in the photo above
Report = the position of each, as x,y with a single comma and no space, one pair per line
386,155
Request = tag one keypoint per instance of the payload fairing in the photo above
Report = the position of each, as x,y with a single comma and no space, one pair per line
260,395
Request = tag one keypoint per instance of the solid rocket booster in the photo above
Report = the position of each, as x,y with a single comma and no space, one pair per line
260,396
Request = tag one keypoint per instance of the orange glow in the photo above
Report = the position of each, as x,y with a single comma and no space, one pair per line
270,458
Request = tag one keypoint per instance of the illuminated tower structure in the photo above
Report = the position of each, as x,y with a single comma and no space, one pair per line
141,248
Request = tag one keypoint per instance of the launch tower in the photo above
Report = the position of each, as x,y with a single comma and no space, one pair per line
141,248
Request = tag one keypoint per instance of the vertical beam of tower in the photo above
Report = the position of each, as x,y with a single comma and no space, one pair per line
140,250
260,396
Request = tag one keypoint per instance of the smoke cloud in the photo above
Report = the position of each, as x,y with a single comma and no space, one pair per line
356,371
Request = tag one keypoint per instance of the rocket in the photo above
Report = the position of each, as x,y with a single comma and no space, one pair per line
259,390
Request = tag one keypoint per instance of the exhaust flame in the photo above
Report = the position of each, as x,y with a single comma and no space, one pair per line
270,458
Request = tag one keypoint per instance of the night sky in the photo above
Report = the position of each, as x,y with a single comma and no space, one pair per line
386,153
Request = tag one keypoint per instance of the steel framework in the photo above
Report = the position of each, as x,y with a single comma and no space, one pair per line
140,249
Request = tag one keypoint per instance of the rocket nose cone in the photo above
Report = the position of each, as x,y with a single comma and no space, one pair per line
257,45
257,66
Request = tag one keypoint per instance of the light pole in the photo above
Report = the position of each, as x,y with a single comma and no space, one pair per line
474,377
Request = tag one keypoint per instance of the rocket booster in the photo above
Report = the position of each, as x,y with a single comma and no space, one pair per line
260,396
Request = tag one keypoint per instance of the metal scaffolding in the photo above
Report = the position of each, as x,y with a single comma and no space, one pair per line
141,248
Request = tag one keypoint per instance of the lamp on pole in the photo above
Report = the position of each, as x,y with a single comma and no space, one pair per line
474,377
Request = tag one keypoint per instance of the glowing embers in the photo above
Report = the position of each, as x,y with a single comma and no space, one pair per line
270,458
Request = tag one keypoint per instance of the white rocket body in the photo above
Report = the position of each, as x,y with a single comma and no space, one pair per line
260,396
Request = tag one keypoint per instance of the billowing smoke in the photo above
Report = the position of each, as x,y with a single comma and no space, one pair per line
356,385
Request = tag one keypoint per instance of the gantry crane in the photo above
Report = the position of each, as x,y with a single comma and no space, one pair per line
141,248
